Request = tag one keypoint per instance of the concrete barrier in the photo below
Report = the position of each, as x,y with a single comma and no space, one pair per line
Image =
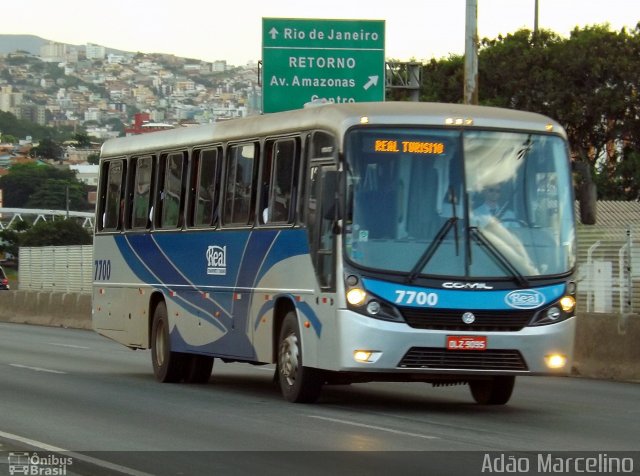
46,308
607,346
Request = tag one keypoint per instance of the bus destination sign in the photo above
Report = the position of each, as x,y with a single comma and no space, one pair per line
406,146
310,59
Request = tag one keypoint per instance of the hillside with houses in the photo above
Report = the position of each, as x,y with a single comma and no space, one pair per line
100,91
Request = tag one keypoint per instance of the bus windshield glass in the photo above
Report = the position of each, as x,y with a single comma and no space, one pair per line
459,203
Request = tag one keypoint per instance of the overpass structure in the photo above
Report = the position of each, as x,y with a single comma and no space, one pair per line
8,216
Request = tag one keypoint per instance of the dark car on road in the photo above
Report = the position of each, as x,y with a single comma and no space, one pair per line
4,282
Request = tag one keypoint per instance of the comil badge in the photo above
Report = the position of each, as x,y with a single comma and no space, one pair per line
217,260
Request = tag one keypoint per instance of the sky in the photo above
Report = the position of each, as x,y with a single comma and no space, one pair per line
230,30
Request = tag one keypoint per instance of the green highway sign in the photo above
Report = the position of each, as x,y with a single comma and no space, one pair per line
308,59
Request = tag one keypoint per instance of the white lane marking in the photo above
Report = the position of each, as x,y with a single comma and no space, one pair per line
71,346
373,427
37,369
79,456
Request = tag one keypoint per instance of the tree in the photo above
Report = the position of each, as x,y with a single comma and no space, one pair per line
48,149
10,238
442,81
82,139
25,183
600,79
10,124
56,233
8,138
514,70
53,194
589,82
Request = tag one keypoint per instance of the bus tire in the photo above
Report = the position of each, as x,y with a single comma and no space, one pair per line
492,391
198,368
298,384
168,366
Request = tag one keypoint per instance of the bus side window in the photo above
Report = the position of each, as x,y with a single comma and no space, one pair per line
279,181
205,193
323,145
171,195
141,200
266,170
321,203
113,196
239,185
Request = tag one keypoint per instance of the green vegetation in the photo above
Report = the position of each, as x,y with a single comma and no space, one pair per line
589,82
59,232
43,186
55,233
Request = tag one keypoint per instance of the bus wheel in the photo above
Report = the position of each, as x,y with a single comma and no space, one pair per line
167,365
298,384
492,391
198,368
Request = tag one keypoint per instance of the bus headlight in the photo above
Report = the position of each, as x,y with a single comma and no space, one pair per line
366,356
373,307
356,296
561,310
553,314
362,302
555,361
568,303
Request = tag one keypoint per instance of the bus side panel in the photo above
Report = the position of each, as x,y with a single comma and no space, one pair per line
290,279
209,282
120,302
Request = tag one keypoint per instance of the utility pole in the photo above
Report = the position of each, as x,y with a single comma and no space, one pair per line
535,20
471,54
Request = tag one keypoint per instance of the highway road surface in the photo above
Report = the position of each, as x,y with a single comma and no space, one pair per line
77,395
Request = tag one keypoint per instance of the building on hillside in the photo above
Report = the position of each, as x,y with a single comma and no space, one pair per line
95,52
87,174
9,100
53,52
142,125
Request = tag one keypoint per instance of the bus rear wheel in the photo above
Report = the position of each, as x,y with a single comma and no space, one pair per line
198,368
298,384
492,391
168,366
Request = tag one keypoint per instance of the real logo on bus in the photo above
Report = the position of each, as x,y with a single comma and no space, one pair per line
524,299
217,260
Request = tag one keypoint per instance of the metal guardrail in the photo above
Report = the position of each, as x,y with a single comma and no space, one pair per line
609,269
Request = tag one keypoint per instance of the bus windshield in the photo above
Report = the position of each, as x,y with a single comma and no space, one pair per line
459,203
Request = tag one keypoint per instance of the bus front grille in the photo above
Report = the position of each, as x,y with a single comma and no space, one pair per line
439,358
485,321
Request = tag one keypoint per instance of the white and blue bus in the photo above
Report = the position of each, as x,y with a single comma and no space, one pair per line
344,243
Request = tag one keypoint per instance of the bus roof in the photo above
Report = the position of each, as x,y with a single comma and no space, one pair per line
336,118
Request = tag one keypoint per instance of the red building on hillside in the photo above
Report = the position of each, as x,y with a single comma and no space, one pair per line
142,124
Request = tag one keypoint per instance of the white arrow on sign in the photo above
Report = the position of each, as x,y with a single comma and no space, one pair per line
373,81
273,32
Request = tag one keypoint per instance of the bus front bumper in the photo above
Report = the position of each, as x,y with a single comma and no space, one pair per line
372,345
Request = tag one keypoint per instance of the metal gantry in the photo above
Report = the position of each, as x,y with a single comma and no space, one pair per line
19,214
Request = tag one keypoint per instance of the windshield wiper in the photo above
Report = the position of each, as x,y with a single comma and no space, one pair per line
498,255
431,249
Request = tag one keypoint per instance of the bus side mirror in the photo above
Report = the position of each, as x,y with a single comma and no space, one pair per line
587,193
